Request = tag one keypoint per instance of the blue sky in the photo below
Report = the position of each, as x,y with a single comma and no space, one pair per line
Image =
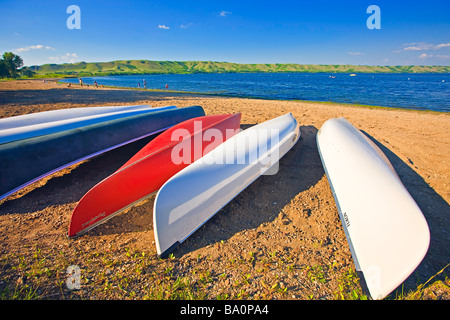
305,32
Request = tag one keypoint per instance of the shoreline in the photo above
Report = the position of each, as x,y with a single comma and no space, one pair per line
281,238
260,98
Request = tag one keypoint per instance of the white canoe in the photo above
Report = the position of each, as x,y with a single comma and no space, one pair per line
386,231
61,114
193,195
40,128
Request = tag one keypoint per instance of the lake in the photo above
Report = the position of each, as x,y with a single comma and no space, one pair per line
409,91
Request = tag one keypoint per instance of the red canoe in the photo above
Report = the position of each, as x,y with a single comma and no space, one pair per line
150,168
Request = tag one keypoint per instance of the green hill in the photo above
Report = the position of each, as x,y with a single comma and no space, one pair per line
161,67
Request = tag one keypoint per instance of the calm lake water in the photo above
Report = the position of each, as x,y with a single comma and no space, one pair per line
409,91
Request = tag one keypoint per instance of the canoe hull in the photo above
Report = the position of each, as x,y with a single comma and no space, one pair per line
40,129
26,161
61,114
211,182
386,230
146,172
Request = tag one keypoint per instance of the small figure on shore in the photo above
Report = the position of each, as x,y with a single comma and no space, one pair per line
139,84
81,82
145,83
69,85
96,84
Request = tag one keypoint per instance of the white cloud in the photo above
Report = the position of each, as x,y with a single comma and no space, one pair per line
443,45
68,57
185,26
224,13
354,53
423,46
35,47
439,56
161,26
413,49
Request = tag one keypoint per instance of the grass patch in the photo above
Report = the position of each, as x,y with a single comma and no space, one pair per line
123,273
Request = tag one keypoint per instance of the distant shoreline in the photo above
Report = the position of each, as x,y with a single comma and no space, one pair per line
148,67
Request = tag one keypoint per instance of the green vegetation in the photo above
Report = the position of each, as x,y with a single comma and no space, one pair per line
123,273
11,66
84,69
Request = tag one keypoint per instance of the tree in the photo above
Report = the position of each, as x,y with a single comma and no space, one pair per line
3,70
10,65
26,72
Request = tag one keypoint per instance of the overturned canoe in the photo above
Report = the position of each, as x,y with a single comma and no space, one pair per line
386,230
61,114
26,161
193,195
147,171
49,127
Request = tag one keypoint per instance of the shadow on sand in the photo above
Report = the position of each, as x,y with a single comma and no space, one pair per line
82,96
263,200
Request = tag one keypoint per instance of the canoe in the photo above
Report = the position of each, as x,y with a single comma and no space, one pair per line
40,129
26,161
146,172
193,195
387,233
61,114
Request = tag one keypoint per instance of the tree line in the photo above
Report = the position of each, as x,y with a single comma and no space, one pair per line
11,66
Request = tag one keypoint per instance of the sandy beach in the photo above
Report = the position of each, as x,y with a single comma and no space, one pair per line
281,238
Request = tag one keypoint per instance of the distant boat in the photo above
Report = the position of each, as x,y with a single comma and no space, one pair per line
352,74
